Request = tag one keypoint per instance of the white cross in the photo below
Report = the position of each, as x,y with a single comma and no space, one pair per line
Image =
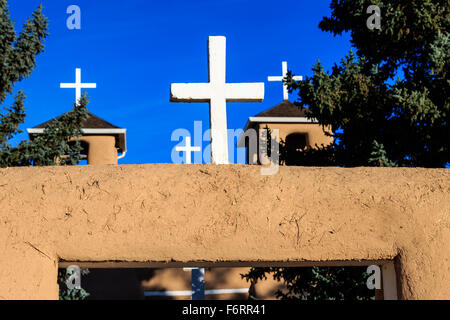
285,87
78,85
188,149
217,92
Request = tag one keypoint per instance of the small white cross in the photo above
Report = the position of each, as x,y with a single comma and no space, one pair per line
188,149
285,87
217,92
78,85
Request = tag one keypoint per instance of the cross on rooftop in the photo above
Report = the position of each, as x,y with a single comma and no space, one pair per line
280,78
78,85
217,92
188,149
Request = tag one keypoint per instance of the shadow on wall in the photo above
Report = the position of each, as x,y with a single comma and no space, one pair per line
116,284
130,284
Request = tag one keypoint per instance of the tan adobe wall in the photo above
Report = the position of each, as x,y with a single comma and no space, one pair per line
177,279
102,149
223,215
314,135
314,132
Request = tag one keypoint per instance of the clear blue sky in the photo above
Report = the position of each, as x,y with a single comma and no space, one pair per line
135,49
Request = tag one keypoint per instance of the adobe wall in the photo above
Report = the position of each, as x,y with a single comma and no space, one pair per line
220,215
315,133
102,149
314,136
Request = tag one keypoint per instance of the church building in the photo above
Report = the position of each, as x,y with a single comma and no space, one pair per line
101,140
296,130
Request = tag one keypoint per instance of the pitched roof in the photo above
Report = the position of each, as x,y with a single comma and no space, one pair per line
91,122
284,109
285,112
93,125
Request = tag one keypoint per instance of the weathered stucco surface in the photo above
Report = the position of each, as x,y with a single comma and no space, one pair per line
101,149
231,214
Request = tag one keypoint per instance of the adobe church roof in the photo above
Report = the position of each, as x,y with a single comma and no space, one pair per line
284,109
285,112
93,125
91,122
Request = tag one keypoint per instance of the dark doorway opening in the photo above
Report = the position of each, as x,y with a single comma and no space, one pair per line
295,142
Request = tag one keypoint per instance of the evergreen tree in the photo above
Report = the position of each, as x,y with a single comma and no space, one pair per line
17,61
56,145
387,105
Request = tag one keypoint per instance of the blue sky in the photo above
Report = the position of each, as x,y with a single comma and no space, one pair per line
135,49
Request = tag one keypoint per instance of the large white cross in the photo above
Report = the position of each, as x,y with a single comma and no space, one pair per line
217,92
78,85
188,149
278,78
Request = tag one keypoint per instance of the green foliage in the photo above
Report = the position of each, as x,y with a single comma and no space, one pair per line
379,158
53,147
388,105
330,283
17,53
70,294
17,61
361,99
